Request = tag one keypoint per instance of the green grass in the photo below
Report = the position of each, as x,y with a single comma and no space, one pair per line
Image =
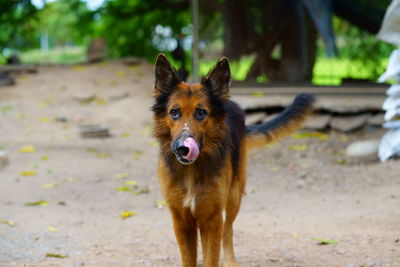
67,55
330,71
327,71
239,69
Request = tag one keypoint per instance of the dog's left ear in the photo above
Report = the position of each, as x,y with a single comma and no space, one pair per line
219,79
165,76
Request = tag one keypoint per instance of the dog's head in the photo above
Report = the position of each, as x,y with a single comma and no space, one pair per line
189,118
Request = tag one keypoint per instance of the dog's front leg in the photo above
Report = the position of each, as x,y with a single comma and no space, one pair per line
186,234
211,234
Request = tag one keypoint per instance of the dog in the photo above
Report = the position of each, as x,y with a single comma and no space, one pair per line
202,166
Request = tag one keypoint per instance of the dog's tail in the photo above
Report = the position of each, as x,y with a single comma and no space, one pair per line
289,121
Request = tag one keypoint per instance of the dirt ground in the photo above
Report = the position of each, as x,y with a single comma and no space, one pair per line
292,195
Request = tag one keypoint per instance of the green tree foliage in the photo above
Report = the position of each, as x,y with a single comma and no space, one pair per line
17,24
66,22
362,48
129,26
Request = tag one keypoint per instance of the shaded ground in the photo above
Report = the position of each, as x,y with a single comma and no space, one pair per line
292,196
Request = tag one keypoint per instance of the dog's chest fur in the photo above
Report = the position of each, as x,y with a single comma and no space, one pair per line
189,200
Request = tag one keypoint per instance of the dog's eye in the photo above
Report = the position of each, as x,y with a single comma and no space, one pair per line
174,113
200,114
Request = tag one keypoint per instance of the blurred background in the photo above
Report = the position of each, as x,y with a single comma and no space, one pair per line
78,179
322,42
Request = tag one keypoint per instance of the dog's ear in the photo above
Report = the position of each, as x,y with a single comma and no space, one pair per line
165,76
219,79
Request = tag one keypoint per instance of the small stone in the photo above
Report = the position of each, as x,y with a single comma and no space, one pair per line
119,96
94,131
317,122
376,120
367,149
61,119
84,97
349,123
370,263
3,158
6,79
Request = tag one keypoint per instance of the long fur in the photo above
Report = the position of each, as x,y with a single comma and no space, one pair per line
289,121
199,193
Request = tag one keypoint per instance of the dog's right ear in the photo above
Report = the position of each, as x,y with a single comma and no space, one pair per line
165,77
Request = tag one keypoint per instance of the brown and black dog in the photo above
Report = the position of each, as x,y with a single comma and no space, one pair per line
202,168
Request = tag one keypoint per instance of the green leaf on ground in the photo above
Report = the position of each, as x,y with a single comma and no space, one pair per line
55,255
324,241
122,175
37,203
123,188
298,147
303,135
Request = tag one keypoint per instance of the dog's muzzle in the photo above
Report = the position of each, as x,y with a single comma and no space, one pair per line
186,149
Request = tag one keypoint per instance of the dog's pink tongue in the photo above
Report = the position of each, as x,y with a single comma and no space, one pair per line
193,149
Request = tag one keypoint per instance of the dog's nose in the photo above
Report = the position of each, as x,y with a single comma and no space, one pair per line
182,150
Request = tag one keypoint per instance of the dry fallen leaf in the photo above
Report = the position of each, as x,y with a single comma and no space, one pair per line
98,153
37,203
44,158
92,150
78,68
273,169
137,154
45,120
55,255
161,204
341,162
153,143
126,135
123,188
27,149
130,182
48,186
28,173
126,214
141,191
52,229
20,116
258,94
324,241
119,73
298,147
70,180
122,175
8,222
147,130
101,101
302,135
113,83
102,155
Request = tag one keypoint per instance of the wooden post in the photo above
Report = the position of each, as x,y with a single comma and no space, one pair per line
195,43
